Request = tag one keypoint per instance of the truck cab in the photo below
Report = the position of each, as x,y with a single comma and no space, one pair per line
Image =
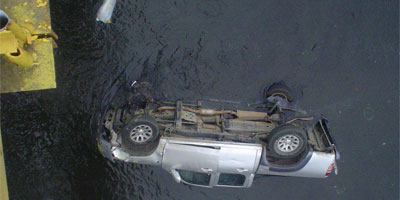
209,163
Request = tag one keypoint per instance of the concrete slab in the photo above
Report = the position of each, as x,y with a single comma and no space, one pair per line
34,16
41,75
3,178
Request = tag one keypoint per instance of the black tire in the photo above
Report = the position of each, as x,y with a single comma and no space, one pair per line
279,89
144,127
287,141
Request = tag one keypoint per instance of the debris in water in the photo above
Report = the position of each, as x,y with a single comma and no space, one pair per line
368,113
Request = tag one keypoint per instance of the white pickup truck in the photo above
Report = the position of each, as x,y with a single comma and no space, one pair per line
218,147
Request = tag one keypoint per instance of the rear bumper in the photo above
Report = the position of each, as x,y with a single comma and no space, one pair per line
330,138
315,167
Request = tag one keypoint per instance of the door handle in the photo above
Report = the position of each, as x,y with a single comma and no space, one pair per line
242,170
206,169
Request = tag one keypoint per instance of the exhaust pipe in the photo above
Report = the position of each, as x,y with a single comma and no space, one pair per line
4,20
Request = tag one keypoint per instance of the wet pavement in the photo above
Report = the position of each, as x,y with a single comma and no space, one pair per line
340,56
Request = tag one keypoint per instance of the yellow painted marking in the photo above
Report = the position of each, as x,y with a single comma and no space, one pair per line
3,177
41,3
29,15
8,42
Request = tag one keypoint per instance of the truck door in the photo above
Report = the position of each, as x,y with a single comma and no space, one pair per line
237,165
190,163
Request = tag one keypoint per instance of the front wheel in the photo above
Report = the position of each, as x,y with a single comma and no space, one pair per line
140,134
287,141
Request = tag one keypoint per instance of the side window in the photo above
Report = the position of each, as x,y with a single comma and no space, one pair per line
231,179
197,178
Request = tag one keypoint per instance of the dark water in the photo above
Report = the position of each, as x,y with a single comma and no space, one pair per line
342,55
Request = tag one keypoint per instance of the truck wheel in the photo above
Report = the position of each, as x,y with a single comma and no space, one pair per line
287,141
281,90
140,133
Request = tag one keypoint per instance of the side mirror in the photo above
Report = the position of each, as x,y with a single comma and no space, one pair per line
176,175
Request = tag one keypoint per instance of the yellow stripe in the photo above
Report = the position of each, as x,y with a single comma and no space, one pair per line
3,178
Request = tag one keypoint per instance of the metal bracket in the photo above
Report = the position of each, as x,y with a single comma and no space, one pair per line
178,122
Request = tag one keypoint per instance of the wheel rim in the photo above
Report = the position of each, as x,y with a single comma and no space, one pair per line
288,143
281,95
141,133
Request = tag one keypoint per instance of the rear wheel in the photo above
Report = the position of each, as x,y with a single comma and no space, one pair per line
279,90
287,141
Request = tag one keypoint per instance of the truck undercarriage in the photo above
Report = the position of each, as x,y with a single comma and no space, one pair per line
180,119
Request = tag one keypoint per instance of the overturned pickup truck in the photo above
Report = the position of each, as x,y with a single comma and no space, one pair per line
219,147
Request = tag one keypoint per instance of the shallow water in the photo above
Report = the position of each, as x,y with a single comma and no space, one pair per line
337,55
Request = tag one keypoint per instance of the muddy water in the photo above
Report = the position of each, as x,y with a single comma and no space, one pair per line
338,56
